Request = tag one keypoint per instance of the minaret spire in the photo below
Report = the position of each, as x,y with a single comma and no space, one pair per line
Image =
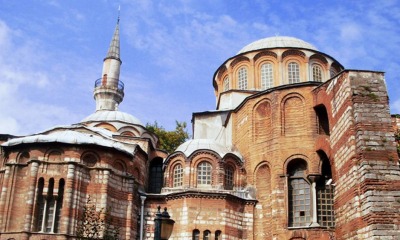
113,50
109,90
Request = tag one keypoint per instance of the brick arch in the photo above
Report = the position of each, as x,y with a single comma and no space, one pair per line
229,162
90,158
293,157
319,58
263,213
107,126
293,52
262,120
221,71
293,114
235,79
169,172
238,60
265,54
209,157
23,157
324,158
119,165
129,131
54,155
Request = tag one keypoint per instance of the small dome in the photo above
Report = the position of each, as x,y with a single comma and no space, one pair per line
277,42
109,116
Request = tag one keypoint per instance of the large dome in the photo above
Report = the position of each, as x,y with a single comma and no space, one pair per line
277,42
109,116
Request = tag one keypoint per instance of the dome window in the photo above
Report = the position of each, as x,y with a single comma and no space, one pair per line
293,72
178,175
226,84
242,78
317,73
204,170
266,76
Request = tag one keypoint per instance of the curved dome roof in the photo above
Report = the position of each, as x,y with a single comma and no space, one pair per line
193,145
277,42
109,116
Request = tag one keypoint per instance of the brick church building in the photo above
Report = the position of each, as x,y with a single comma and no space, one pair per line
298,147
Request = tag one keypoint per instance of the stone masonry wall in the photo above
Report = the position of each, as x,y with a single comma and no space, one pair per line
366,170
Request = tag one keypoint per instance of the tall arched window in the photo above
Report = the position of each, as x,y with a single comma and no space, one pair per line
325,192
218,235
299,194
226,84
242,78
206,235
229,177
156,176
317,73
196,234
178,175
293,72
49,206
204,170
332,72
267,78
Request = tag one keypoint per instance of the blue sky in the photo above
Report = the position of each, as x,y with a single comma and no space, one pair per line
51,52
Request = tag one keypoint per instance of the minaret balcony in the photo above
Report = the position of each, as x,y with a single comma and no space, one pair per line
108,82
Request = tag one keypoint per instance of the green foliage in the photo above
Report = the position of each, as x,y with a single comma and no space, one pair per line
169,140
397,138
96,225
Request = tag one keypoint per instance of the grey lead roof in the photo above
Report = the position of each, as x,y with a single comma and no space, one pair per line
113,51
277,42
75,134
193,145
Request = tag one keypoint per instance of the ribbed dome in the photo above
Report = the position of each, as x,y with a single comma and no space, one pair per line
277,42
108,116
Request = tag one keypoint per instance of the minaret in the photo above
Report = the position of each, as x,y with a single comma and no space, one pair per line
109,90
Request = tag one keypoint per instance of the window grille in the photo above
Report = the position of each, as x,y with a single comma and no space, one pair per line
178,175
226,84
317,73
204,173
266,76
242,78
229,177
293,72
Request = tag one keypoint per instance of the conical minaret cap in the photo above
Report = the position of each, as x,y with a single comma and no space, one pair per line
113,50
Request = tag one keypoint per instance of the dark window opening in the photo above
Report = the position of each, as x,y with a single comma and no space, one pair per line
323,120
156,176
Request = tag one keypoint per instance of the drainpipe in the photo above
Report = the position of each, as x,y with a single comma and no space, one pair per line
142,216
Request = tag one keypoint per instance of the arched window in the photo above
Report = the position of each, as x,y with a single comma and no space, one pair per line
206,235
178,175
54,156
156,175
242,78
196,234
229,177
317,73
332,72
226,84
49,206
218,235
325,192
204,170
293,72
89,159
323,119
267,78
299,195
